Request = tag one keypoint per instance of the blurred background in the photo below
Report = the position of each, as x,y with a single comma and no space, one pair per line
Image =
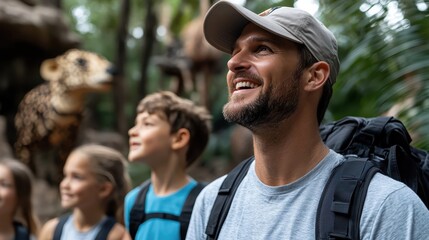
159,45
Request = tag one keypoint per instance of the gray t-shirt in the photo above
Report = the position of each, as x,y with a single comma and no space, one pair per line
391,210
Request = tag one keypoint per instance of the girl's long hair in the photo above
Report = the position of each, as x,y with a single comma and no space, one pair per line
23,179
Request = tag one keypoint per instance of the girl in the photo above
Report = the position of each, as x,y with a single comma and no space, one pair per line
94,186
17,219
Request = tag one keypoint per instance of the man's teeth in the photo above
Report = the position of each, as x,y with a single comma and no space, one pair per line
240,85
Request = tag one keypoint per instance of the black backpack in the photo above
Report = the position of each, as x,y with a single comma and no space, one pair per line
101,235
138,214
21,232
370,145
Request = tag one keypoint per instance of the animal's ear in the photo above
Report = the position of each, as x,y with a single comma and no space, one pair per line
50,70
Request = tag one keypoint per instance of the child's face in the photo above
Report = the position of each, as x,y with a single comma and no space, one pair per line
7,193
150,139
80,186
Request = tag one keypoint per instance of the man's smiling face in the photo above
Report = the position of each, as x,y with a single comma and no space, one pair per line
262,79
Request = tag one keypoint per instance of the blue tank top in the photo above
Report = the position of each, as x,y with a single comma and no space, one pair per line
172,204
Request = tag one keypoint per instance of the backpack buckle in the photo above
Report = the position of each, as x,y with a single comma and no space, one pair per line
336,236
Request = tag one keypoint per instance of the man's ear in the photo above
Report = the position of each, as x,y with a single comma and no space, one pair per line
319,74
181,138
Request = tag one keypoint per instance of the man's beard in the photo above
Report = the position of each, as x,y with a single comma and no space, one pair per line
270,108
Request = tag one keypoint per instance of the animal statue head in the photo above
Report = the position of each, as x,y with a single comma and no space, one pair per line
73,75
50,115
78,70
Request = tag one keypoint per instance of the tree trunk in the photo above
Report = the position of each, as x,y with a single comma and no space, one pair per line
150,24
58,4
118,91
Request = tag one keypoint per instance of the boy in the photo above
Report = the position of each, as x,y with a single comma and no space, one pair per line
170,133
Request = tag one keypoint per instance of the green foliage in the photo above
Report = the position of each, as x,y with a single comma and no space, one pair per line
384,60
138,173
384,57
183,12
260,6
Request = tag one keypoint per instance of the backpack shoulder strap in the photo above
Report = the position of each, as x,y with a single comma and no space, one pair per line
21,232
186,213
224,198
105,228
59,228
137,214
342,200
422,158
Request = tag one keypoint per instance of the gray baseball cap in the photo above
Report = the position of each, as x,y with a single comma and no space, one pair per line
225,21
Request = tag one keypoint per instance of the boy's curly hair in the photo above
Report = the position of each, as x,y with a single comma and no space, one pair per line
181,113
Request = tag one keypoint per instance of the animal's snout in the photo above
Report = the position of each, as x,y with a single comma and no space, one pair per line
112,70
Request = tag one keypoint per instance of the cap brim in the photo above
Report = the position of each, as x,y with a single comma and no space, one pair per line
225,21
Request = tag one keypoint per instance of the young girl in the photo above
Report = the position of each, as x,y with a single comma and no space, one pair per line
17,219
94,186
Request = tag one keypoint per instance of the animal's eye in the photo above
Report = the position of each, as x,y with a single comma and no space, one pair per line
81,61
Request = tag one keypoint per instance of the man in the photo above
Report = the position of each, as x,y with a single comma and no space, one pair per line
282,68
